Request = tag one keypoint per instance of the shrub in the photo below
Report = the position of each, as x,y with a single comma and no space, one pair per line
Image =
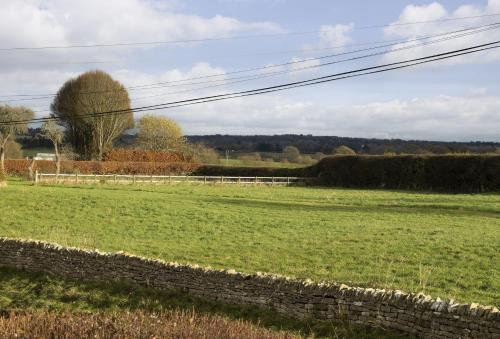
13,150
343,150
451,173
203,154
249,159
292,154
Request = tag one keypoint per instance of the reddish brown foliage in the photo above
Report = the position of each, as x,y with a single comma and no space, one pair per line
138,155
20,167
173,324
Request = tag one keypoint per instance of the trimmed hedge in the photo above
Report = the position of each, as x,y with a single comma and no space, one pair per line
231,171
450,173
138,155
20,167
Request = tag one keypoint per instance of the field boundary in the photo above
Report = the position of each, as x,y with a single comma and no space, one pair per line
416,314
164,179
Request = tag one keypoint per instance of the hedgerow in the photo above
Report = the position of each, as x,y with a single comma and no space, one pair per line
138,155
451,173
20,167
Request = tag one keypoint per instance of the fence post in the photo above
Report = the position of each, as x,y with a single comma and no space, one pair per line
221,179
288,180
255,180
205,179
151,179
114,179
133,178
76,178
239,180
169,179
272,182
36,177
95,178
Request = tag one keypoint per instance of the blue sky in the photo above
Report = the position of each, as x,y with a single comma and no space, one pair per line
458,100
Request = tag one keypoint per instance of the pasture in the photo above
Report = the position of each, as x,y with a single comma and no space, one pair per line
444,245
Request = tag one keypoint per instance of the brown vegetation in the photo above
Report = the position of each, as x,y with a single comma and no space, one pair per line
139,155
21,167
172,324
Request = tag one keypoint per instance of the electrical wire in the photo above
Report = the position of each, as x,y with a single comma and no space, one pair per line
303,83
465,32
183,41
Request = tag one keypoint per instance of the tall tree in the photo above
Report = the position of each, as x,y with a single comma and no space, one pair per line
9,131
52,131
292,154
77,103
160,134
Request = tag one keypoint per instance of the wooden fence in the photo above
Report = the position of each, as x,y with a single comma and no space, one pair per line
163,179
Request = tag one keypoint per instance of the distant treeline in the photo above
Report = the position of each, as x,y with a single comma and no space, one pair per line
309,144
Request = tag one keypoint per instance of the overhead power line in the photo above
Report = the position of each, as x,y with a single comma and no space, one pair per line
303,83
268,35
443,37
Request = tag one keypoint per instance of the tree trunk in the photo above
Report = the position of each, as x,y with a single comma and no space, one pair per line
2,159
30,169
58,159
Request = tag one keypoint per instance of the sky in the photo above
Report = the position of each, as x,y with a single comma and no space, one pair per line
452,100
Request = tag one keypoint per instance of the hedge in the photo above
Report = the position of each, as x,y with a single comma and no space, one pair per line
20,167
250,171
450,173
138,155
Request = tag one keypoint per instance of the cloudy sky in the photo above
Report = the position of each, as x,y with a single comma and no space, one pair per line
451,100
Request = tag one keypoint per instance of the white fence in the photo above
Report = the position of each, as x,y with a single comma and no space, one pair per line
163,179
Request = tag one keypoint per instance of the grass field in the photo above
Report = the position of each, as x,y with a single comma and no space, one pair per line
258,163
31,152
445,245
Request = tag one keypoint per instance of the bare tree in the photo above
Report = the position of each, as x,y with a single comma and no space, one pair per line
12,122
78,103
55,133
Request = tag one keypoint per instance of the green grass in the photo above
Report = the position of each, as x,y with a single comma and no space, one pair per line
31,152
258,163
445,245
32,292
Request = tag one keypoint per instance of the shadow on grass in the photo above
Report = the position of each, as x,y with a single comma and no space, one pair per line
424,209
23,291
457,210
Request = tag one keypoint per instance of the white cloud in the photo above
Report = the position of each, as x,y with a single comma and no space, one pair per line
301,65
333,36
38,23
436,11
473,116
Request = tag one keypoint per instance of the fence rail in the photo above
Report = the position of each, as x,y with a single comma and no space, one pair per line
163,179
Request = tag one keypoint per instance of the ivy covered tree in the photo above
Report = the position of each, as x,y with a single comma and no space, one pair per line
13,121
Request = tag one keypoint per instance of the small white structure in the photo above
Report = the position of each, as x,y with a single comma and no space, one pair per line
45,156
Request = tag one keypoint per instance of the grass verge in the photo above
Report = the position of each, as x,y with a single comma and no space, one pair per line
39,296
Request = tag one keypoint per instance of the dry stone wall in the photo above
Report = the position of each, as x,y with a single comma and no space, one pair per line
415,314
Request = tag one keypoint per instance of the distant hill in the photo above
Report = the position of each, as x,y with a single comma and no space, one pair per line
311,144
